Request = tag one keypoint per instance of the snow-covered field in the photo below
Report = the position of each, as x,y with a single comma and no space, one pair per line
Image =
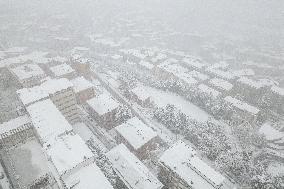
162,98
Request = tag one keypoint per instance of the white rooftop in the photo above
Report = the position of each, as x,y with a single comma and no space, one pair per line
27,71
67,151
141,92
131,170
250,82
278,90
13,124
48,120
241,105
80,84
62,69
103,103
146,64
31,95
190,168
49,87
136,132
221,73
194,63
89,177
221,84
198,75
208,90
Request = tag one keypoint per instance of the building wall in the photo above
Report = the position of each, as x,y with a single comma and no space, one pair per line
65,101
85,95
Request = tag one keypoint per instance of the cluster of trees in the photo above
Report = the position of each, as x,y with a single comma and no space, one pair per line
235,153
208,137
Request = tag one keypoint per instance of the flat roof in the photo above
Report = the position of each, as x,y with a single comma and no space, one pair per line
241,105
103,103
136,132
88,177
26,71
278,90
141,92
62,69
80,84
208,90
67,151
193,62
48,120
131,170
190,168
49,87
12,124
221,84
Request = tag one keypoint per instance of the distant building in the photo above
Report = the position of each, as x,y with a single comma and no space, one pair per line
277,99
180,167
133,173
140,95
83,89
104,108
15,131
138,137
63,71
221,85
242,111
28,75
60,91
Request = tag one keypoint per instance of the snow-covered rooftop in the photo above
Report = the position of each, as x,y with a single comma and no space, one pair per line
241,105
146,64
80,84
182,160
221,84
103,103
136,132
13,124
68,151
208,90
278,90
31,95
49,87
193,63
271,133
62,69
48,120
131,170
197,75
250,82
27,71
221,73
180,72
89,177
140,92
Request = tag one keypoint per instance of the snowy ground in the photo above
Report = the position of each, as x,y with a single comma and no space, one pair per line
28,162
162,98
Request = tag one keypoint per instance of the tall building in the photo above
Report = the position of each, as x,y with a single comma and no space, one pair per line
61,93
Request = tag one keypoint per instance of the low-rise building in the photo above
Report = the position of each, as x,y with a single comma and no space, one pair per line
83,88
28,75
277,99
63,70
242,111
180,167
221,85
133,173
104,108
140,95
15,131
138,137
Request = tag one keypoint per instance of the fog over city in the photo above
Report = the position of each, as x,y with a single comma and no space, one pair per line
141,94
